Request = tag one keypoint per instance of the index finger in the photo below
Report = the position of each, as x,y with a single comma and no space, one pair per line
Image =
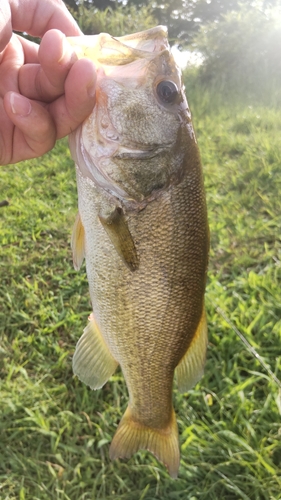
35,17
45,81
5,24
38,16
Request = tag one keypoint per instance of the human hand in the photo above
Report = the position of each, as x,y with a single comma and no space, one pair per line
45,93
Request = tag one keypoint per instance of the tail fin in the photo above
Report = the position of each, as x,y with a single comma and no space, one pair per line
132,436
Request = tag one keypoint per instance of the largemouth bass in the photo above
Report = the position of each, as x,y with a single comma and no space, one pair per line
142,228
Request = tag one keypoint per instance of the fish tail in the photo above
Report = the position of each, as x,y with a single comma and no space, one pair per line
132,436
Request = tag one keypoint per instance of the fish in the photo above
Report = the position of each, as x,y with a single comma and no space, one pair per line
142,228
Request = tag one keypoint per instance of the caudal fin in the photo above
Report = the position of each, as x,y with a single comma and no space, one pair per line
132,436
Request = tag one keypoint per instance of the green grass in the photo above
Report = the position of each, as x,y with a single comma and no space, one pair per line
54,431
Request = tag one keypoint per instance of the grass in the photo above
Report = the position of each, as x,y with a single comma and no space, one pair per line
55,432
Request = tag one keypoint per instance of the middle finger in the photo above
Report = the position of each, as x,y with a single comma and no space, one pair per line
45,81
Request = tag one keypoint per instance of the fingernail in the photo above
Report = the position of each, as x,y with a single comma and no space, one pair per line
92,86
20,105
67,53
64,48
91,89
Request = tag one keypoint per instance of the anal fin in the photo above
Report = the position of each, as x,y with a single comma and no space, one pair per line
92,361
191,367
78,243
118,231
132,436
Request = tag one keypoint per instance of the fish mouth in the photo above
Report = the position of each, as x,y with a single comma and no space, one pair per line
107,50
140,153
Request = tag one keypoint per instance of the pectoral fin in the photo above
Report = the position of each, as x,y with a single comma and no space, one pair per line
78,243
191,367
92,362
118,231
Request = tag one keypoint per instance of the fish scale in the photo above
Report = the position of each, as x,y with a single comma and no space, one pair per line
146,257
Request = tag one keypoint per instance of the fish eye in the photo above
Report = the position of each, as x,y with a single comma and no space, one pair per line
167,91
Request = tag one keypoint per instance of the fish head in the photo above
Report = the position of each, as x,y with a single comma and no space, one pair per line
141,114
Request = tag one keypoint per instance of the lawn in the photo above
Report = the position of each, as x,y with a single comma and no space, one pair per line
55,432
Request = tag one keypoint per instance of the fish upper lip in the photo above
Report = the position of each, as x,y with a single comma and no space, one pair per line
121,50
